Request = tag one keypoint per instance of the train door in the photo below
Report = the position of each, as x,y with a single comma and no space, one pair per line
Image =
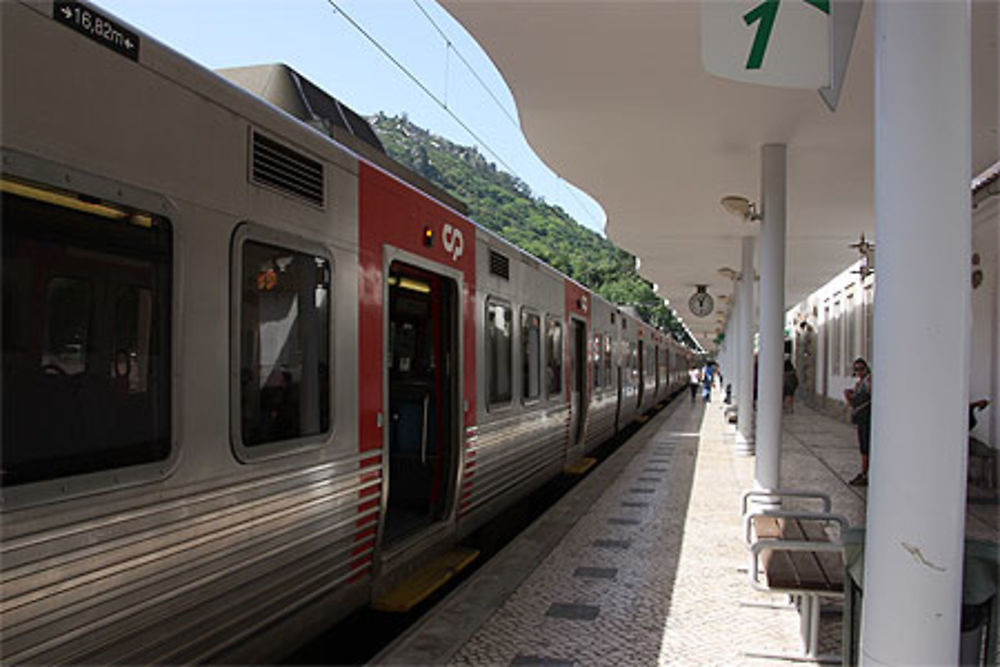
578,379
619,379
423,390
642,377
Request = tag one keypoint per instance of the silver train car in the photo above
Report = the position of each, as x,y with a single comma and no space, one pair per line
254,374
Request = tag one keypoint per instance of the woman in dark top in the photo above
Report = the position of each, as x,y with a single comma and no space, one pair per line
860,400
790,382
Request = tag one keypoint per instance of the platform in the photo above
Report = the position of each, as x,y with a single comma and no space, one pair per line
643,561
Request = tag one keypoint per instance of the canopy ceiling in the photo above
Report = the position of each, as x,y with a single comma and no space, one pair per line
612,95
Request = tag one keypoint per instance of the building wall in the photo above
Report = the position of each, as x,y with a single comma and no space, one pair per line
833,326
829,329
984,373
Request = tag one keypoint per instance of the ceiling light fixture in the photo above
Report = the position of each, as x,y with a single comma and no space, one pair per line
741,206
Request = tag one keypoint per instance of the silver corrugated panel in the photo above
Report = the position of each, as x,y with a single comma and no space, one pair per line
513,451
601,421
182,579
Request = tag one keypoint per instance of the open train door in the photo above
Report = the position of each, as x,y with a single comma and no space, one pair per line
422,356
578,380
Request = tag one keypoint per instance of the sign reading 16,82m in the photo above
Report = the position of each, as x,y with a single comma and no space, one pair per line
97,27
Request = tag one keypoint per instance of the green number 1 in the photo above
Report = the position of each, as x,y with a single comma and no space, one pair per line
766,12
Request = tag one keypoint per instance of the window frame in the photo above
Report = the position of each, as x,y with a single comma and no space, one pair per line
596,362
44,174
527,311
560,393
608,360
491,405
258,233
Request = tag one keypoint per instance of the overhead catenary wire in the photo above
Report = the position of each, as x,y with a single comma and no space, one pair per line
443,103
450,46
420,84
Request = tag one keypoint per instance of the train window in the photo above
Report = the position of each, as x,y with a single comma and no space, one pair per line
595,355
498,353
609,378
67,326
531,355
284,343
86,335
553,357
133,317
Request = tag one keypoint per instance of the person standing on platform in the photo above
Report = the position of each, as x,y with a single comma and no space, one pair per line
694,379
981,404
790,382
706,384
860,400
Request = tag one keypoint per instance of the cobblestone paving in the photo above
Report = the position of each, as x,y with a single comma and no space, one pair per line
680,595
654,572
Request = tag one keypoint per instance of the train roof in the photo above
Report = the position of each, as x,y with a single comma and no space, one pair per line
288,90
278,88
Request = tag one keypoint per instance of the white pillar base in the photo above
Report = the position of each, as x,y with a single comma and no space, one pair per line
743,446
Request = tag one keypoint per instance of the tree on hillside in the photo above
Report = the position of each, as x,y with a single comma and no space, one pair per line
505,205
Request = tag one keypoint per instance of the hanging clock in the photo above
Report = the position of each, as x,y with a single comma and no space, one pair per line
701,302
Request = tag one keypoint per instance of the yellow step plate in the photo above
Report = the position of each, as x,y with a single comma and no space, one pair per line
415,588
580,467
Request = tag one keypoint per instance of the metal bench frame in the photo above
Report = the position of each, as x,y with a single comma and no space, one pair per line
808,600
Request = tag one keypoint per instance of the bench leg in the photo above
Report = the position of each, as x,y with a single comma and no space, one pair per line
812,637
808,606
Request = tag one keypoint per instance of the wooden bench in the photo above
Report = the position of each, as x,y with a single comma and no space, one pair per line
796,556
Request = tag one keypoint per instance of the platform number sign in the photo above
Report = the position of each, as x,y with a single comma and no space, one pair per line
98,27
769,42
764,15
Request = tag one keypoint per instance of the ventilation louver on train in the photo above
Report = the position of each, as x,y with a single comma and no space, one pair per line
282,168
499,265
297,96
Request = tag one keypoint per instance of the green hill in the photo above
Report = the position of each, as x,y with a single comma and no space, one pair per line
505,205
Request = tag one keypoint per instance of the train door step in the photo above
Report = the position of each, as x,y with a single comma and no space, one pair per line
581,466
418,586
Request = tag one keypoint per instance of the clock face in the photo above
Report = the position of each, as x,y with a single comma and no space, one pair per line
701,304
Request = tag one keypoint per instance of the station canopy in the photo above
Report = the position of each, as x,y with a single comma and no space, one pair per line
614,97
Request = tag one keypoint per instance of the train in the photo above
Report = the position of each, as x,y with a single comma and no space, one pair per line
254,372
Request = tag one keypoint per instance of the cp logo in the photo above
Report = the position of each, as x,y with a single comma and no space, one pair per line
453,243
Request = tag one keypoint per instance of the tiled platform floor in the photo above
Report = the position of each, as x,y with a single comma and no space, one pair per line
643,562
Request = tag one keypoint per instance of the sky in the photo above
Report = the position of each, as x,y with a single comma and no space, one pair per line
325,41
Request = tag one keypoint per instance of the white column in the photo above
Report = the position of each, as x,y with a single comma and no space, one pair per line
772,316
725,353
744,441
732,347
916,497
